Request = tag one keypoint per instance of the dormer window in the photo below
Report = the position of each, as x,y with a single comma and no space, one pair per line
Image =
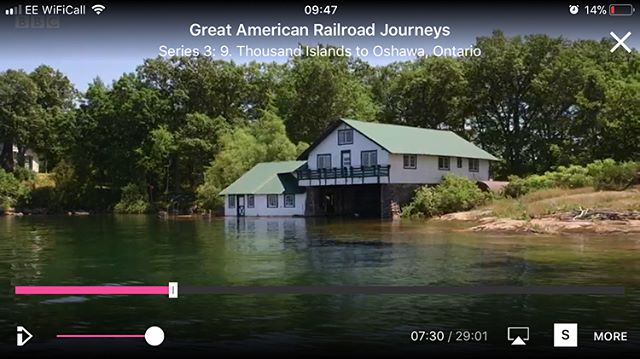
345,137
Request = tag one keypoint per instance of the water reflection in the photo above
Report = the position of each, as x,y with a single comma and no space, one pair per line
299,251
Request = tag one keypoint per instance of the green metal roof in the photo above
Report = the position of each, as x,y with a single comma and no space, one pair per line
267,178
419,141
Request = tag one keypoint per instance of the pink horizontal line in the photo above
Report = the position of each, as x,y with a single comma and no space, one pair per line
100,336
91,289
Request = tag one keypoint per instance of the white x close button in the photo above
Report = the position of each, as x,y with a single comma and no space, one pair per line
620,41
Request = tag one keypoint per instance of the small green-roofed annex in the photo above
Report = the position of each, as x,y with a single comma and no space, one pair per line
418,141
267,178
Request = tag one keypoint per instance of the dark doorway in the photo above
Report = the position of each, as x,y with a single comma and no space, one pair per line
345,159
328,203
240,206
347,200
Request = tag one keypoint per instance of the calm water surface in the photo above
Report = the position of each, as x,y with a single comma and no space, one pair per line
139,250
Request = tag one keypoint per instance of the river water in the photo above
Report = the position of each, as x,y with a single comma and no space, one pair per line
144,250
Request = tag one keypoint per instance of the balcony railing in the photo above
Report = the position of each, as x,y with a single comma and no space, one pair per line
346,174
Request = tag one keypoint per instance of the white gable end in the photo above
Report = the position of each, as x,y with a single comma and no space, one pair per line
338,152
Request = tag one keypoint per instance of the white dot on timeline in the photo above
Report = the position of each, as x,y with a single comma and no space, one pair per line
154,336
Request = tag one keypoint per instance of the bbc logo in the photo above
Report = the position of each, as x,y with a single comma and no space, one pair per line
37,22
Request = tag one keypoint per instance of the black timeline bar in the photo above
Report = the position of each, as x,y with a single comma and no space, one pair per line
433,290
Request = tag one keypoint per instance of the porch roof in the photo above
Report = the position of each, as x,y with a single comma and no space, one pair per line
267,178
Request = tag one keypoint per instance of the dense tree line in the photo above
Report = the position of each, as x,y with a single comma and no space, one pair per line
193,125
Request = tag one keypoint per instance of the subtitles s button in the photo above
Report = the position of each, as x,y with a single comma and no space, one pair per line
565,335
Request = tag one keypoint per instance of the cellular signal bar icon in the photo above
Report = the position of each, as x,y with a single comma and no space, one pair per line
16,10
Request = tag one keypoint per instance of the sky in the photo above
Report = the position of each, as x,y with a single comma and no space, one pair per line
117,40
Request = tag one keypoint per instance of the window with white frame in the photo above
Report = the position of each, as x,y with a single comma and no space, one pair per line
369,158
324,160
474,165
345,137
289,200
251,201
459,162
443,163
232,201
272,201
410,161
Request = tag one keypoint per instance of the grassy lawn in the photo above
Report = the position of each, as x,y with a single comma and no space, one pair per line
557,200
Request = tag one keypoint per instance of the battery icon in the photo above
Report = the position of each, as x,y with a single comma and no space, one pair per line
621,9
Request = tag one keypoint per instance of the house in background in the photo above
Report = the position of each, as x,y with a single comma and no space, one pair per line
362,168
31,161
268,189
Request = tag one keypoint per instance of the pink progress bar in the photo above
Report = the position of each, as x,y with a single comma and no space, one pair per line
91,289
171,290
100,336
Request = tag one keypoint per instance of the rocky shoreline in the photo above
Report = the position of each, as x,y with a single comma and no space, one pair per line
596,221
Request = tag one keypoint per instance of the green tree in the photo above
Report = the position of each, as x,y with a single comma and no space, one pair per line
270,132
56,99
19,114
197,142
156,156
321,90
118,121
509,96
198,85
429,92
242,148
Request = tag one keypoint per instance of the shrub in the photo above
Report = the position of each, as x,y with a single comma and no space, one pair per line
207,196
422,204
573,176
457,193
453,194
133,200
602,175
536,182
41,198
68,190
564,177
516,187
11,190
609,175
23,174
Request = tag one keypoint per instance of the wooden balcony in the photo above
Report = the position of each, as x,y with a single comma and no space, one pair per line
343,176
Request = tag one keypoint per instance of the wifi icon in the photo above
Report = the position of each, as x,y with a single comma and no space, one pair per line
97,8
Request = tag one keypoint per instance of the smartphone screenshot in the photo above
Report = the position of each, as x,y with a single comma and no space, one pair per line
319,179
